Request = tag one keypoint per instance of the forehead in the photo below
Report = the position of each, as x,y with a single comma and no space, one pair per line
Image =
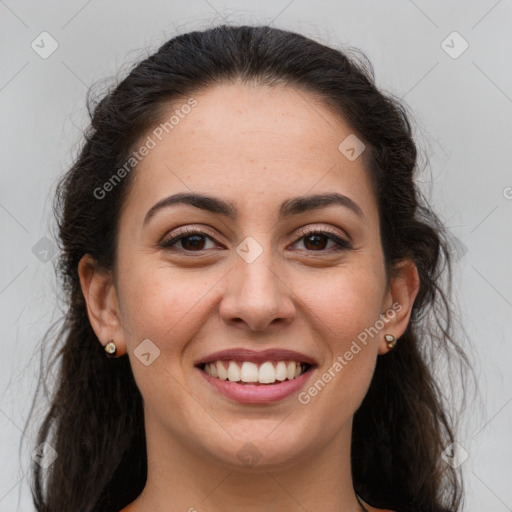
249,142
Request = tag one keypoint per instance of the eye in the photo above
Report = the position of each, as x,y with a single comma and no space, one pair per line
189,240
317,240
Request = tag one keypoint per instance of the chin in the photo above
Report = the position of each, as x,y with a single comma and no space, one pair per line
259,451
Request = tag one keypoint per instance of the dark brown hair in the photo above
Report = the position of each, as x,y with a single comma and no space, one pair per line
95,420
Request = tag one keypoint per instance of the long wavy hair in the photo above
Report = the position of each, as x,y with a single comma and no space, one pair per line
94,419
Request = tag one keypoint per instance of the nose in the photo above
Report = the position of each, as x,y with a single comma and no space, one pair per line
256,298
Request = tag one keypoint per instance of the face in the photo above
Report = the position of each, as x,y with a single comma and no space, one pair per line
253,275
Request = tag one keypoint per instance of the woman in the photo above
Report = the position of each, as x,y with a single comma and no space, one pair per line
243,237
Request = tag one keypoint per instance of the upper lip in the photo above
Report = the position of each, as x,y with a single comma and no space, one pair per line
242,354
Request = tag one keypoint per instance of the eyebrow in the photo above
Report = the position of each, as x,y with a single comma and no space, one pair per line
292,206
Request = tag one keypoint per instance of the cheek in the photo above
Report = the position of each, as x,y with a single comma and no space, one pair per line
344,308
345,301
167,307
162,304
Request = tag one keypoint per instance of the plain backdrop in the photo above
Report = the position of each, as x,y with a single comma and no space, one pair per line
461,100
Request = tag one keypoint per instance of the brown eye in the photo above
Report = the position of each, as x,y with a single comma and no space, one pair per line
191,241
318,241
314,242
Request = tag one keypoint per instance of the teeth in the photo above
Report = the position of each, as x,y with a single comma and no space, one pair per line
233,372
246,371
290,370
221,370
281,370
267,373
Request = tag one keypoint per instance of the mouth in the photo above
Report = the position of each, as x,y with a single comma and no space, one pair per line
248,372
251,377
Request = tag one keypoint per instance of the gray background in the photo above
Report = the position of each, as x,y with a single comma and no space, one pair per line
462,111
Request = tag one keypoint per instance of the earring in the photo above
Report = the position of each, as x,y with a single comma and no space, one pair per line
111,349
390,340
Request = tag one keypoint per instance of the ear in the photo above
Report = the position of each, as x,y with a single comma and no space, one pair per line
399,300
102,306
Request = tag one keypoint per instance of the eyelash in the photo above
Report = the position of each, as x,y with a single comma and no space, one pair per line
342,244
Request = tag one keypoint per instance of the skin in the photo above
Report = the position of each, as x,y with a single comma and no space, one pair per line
257,147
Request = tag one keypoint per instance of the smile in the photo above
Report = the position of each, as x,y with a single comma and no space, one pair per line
266,372
256,377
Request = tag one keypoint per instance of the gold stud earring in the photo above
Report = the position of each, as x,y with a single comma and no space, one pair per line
111,349
390,340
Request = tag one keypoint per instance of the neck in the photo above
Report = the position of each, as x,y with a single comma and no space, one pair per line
187,480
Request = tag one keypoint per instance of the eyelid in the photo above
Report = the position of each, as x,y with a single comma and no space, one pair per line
323,229
179,233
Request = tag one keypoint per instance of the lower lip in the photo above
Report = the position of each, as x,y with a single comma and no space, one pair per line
258,393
